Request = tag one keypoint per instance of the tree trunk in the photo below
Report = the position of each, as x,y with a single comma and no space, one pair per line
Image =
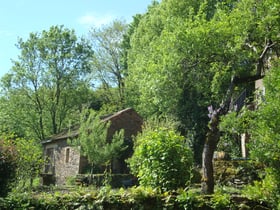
91,174
212,139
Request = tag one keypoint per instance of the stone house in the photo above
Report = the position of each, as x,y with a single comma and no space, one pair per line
64,161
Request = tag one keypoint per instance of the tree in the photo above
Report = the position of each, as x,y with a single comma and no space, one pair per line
106,63
169,56
48,83
93,140
162,159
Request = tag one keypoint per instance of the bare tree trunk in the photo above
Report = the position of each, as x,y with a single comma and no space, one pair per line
211,141
209,148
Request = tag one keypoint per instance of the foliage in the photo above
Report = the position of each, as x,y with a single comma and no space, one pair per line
93,139
162,159
106,63
220,200
265,146
21,160
47,85
8,164
106,198
265,190
29,160
232,126
183,56
265,126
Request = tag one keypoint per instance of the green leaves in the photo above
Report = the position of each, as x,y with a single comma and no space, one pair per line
162,159
93,139
266,125
107,68
29,161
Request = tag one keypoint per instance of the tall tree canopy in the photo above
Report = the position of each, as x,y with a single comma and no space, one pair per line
47,84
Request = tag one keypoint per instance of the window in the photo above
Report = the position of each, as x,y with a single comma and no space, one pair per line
49,167
67,154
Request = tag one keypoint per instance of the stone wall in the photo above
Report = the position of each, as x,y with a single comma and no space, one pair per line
66,165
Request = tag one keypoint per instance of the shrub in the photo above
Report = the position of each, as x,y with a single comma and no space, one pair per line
162,159
7,165
265,190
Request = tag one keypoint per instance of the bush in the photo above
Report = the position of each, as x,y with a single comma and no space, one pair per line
265,190
162,159
7,165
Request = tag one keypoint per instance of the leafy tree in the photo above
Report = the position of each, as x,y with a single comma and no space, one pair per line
169,56
162,159
47,85
106,63
93,140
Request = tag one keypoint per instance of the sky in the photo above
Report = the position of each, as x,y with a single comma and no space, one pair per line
18,18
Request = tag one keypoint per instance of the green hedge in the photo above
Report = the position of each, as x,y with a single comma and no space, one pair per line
136,198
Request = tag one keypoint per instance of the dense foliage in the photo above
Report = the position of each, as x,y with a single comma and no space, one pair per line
162,159
122,199
29,161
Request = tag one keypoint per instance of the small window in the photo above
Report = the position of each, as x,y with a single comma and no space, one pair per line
67,155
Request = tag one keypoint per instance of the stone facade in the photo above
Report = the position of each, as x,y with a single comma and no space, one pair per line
64,161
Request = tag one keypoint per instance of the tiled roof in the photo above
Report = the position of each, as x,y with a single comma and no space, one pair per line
73,131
